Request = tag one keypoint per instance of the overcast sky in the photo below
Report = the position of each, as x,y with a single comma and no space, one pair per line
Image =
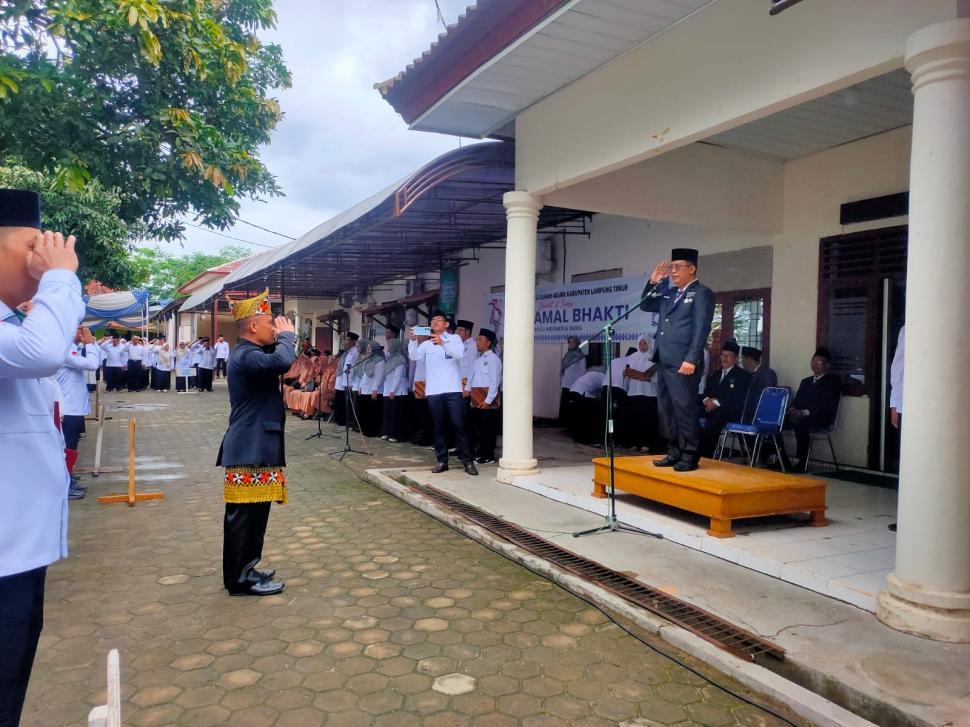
339,141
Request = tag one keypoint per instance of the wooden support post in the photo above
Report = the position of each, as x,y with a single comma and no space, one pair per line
98,469
109,715
97,400
131,497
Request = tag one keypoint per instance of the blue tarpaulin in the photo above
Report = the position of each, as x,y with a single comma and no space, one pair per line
129,308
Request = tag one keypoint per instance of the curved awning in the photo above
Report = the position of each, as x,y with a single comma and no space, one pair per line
413,226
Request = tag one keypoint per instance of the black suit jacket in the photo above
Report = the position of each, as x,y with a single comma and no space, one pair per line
821,398
255,434
683,328
730,392
760,380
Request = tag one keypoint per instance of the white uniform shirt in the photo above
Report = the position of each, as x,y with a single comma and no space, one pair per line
115,357
467,365
183,358
617,367
487,374
396,380
222,349
136,351
207,358
896,373
349,360
151,356
442,363
34,479
163,359
72,378
375,381
589,384
572,373
196,351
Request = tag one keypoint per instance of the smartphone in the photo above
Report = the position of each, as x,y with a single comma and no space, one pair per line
421,330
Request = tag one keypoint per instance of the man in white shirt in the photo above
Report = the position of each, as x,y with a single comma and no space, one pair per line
442,356
345,364
83,356
136,360
115,362
584,422
896,388
207,362
222,356
464,330
33,481
483,390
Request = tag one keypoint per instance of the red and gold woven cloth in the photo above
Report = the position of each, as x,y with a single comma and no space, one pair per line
255,484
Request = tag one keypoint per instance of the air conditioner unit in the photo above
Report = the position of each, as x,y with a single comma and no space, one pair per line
413,287
345,299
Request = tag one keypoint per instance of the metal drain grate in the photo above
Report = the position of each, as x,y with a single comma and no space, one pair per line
709,627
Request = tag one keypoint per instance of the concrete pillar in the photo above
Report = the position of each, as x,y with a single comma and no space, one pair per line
928,594
519,332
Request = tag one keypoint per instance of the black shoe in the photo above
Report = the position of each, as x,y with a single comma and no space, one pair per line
439,468
892,526
667,461
263,575
263,588
470,469
685,466
485,460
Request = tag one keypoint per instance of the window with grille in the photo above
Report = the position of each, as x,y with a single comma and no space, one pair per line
742,316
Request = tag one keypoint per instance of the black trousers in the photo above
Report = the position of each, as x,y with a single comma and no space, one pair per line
396,417
371,412
21,621
72,426
422,424
340,407
449,409
113,378
642,426
135,376
242,545
471,432
485,428
714,423
163,380
205,379
677,397
220,367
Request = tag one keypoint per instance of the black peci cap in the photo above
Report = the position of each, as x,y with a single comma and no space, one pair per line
19,208
684,253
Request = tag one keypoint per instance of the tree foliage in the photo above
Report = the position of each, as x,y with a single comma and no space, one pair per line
164,273
91,214
167,100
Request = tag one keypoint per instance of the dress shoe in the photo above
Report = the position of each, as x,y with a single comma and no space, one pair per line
685,466
439,468
484,460
73,494
892,526
470,469
263,575
667,461
263,588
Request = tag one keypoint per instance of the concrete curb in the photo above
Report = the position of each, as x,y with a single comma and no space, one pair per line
800,700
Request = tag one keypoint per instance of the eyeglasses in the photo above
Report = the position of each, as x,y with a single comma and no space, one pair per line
676,267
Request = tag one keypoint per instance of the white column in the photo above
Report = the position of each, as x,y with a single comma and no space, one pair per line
929,592
519,331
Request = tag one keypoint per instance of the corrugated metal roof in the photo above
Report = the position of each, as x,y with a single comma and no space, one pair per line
572,40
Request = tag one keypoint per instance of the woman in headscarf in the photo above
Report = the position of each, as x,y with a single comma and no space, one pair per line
572,366
394,421
371,391
642,429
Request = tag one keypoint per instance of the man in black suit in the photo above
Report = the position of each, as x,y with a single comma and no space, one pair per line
252,448
761,378
814,406
724,397
686,308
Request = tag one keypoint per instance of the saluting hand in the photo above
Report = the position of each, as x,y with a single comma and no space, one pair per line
282,324
51,252
86,336
660,272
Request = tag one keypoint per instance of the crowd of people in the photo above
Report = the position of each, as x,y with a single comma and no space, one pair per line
139,363
444,389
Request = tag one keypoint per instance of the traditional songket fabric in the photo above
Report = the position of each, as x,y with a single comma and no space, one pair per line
255,484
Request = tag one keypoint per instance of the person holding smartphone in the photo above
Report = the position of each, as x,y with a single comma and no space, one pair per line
442,354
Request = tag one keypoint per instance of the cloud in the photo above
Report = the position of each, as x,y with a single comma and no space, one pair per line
339,142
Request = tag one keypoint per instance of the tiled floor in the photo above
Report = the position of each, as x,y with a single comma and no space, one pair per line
848,560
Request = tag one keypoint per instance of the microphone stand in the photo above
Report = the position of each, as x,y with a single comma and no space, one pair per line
612,525
351,409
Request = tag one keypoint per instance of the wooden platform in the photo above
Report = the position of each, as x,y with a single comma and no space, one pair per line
719,490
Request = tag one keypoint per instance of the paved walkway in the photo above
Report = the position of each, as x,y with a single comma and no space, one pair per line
389,617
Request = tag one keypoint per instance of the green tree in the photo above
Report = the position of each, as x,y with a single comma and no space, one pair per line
92,215
167,100
164,273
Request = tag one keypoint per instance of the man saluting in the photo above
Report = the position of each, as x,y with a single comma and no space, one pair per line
252,448
686,308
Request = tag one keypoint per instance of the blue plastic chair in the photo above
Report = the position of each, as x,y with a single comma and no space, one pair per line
767,423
